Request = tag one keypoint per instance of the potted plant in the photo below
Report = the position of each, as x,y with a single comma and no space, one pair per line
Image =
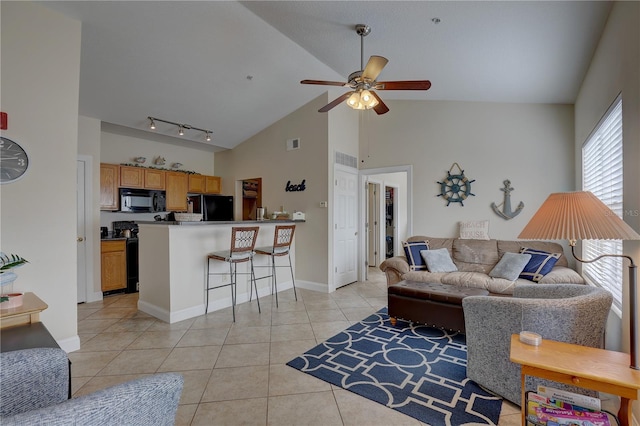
7,263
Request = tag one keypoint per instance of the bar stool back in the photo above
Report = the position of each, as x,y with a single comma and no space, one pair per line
282,238
243,242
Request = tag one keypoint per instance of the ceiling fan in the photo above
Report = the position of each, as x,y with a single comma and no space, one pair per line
364,81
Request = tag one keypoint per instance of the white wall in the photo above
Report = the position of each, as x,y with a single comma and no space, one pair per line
529,144
265,155
40,87
615,69
118,148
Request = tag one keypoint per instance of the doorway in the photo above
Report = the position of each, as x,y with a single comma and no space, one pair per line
251,197
390,212
373,223
395,220
345,219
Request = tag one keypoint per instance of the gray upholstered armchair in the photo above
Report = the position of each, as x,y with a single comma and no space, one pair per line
562,312
34,390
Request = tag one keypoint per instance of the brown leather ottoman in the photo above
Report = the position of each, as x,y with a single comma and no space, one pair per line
433,304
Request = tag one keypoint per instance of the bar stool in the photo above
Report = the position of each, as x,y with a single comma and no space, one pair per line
282,238
243,241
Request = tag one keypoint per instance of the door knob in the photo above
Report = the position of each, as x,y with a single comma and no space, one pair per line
80,239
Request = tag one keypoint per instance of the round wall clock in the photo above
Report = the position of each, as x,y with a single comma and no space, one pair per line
14,161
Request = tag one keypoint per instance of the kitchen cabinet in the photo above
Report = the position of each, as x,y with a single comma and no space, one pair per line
196,183
154,179
203,184
109,183
213,185
131,177
113,256
177,185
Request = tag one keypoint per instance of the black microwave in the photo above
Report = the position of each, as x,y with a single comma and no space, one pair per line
142,200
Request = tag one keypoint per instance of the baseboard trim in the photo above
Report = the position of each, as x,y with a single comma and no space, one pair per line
70,344
311,285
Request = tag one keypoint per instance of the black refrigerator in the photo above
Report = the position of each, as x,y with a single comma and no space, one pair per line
213,207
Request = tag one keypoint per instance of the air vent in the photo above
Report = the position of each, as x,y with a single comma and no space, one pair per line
293,144
346,160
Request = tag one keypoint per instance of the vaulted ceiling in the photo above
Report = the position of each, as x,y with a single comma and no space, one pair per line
235,67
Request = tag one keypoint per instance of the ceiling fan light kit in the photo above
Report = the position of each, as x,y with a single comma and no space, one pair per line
362,100
363,82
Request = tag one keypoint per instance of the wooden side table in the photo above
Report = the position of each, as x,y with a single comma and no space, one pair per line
26,313
586,367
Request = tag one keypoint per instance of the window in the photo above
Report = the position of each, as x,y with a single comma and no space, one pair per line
602,175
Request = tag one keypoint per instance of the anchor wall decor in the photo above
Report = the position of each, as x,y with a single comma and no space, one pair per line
506,212
455,188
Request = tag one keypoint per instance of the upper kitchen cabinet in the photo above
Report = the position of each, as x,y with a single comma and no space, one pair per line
109,182
202,184
213,185
196,183
131,177
154,179
177,185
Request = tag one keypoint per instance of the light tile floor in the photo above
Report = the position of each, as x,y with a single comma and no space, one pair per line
236,373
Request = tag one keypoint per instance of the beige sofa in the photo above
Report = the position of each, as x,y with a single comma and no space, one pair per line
474,260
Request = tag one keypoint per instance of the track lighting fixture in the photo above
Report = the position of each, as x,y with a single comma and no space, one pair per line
181,127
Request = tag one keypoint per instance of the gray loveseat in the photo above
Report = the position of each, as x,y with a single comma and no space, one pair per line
563,312
34,386
474,260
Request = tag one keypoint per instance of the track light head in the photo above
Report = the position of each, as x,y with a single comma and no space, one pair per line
208,137
152,124
181,131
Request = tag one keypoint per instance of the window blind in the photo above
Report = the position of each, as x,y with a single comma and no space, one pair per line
602,175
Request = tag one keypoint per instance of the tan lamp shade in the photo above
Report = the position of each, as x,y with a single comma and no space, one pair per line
576,216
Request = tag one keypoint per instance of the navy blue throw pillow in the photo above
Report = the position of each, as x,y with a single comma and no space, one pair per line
541,264
412,252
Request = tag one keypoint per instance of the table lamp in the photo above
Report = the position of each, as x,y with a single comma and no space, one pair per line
582,216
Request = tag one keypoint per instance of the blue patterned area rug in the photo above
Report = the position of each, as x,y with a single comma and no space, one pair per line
417,370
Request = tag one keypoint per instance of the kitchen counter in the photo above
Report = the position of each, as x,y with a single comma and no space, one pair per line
173,267
112,238
219,222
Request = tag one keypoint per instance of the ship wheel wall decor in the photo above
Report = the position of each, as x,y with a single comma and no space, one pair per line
455,188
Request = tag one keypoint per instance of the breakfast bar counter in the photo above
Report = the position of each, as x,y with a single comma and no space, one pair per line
173,266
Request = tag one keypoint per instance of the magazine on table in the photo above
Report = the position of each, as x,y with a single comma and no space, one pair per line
555,407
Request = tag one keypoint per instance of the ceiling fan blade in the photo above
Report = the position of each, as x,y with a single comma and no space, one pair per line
374,67
381,108
403,85
335,102
325,83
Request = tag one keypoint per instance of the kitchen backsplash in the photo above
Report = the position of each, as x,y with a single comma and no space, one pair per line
107,217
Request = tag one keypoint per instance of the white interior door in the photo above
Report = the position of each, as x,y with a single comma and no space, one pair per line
345,218
81,233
